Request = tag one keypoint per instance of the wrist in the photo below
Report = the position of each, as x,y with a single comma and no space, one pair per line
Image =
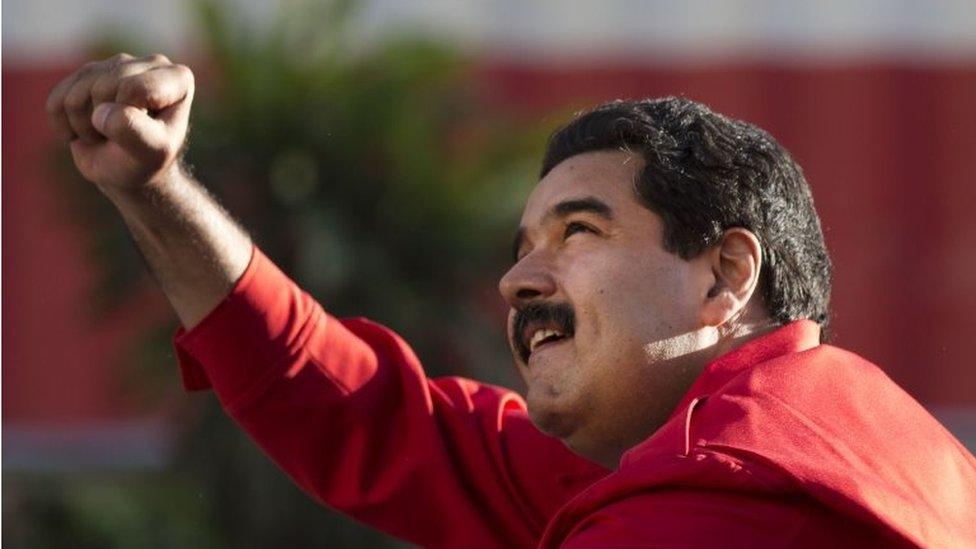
163,182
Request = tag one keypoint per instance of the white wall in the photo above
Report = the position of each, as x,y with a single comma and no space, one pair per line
40,31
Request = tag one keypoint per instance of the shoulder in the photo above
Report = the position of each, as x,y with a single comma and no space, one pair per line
824,405
822,368
848,436
826,389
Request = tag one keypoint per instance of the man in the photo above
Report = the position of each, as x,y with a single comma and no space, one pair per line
668,301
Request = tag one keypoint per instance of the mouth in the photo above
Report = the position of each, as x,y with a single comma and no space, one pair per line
537,336
544,336
540,325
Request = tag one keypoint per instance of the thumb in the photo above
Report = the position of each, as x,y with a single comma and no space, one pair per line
131,128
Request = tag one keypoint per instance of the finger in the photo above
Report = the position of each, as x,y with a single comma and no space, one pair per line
57,112
177,116
61,89
156,89
54,107
106,86
133,129
55,101
77,102
78,105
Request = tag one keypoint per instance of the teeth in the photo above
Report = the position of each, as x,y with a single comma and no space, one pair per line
539,336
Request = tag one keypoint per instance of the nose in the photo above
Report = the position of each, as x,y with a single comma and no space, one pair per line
529,279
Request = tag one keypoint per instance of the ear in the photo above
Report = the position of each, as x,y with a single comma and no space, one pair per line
735,262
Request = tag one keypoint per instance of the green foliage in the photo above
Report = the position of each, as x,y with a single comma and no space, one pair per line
372,175
140,511
376,178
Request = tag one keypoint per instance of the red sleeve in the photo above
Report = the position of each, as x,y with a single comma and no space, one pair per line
345,409
696,518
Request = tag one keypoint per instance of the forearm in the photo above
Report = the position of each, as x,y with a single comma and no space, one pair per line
125,121
193,248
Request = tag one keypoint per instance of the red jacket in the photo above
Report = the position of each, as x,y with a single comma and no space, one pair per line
780,442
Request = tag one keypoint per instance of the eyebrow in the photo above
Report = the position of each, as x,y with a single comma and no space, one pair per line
588,204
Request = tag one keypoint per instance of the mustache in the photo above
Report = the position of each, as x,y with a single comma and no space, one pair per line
559,314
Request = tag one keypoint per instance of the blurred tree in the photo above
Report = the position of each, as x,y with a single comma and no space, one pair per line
374,176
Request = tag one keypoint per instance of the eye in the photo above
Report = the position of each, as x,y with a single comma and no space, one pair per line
574,227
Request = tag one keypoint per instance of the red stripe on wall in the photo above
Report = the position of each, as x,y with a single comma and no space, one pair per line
60,360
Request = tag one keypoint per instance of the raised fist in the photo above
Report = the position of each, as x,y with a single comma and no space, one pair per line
125,118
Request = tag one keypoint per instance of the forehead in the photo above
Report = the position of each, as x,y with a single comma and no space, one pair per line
605,175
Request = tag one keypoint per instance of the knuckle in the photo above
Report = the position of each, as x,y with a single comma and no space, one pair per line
157,58
123,70
118,69
86,73
185,75
103,86
87,69
54,103
132,87
77,99
55,99
184,72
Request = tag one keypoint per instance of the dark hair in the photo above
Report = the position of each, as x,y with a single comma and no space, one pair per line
705,173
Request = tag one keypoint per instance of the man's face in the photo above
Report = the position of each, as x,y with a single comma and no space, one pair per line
603,318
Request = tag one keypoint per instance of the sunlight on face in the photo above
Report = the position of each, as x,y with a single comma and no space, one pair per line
586,241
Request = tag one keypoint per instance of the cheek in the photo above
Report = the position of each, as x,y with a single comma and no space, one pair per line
631,300
664,288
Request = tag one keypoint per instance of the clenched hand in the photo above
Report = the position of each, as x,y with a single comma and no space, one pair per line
125,119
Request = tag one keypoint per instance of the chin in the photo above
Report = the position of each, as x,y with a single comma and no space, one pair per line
566,423
592,448
550,417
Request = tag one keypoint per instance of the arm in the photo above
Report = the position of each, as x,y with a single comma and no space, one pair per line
193,248
343,407
125,120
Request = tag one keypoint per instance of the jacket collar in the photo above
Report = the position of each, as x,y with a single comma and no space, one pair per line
795,337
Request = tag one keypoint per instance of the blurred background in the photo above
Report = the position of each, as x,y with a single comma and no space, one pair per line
381,151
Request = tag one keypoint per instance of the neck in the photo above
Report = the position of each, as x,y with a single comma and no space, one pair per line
750,323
